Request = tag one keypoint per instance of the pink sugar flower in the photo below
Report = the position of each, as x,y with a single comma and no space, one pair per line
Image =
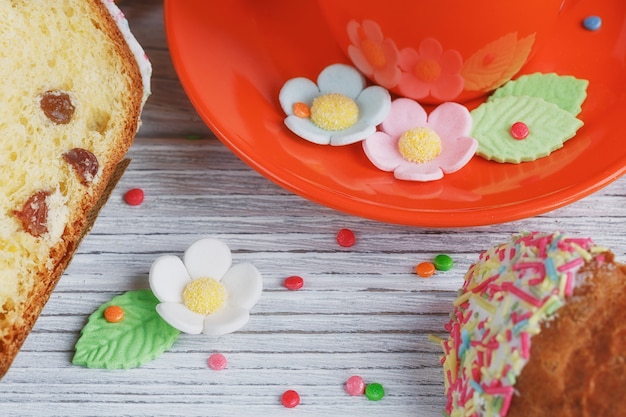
421,147
430,71
373,54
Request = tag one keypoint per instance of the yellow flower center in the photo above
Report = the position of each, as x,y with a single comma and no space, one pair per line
419,145
334,111
204,295
427,70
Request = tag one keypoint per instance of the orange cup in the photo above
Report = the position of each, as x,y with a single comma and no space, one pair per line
435,51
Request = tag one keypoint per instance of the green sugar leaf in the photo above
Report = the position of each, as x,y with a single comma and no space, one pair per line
140,337
565,91
549,126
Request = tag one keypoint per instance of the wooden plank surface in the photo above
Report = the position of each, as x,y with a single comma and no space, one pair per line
362,310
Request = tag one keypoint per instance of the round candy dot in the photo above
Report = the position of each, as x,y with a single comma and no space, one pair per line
293,283
345,238
592,23
355,385
443,262
217,361
113,314
301,110
488,58
519,130
134,197
425,269
374,391
290,398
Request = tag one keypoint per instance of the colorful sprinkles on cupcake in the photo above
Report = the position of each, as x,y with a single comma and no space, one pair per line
506,296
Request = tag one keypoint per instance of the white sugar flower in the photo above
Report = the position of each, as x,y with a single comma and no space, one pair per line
338,110
203,293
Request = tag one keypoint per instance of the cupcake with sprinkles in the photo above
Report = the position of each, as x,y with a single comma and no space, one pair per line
538,329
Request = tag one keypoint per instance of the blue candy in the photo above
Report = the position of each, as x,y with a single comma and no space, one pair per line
592,23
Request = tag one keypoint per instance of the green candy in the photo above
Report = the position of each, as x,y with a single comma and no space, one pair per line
374,391
443,262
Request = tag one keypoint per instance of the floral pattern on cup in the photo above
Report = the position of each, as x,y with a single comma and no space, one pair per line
337,110
416,146
204,292
497,62
430,71
374,55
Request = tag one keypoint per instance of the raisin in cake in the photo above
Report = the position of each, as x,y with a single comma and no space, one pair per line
72,85
539,329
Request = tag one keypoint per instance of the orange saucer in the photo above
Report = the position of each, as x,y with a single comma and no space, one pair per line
233,57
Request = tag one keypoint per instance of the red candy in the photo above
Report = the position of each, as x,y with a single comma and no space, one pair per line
519,130
290,399
345,238
134,197
293,283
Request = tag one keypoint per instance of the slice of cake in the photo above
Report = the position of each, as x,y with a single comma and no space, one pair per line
72,85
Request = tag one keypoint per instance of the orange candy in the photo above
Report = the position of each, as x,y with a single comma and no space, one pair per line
301,110
425,269
113,314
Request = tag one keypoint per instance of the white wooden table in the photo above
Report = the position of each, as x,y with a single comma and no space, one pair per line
362,310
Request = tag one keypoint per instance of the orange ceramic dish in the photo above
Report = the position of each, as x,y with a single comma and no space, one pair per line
233,57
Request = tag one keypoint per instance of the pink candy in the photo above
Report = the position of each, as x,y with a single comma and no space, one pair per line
355,385
217,362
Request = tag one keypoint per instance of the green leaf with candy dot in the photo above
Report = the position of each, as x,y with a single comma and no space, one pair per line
140,337
549,126
565,91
